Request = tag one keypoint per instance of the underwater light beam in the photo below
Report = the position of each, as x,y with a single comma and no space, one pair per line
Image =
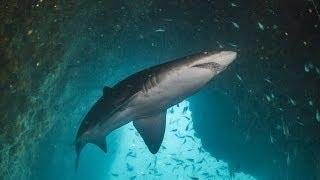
145,96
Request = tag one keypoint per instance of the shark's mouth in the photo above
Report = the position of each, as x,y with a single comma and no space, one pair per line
210,65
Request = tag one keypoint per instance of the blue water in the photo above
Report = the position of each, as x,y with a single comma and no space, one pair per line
259,119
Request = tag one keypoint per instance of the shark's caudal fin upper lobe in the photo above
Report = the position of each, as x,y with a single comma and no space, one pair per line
90,120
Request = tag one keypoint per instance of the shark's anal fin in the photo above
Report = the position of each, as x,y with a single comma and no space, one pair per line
107,91
152,130
100,142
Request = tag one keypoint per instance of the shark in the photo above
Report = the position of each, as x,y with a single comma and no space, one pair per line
144,97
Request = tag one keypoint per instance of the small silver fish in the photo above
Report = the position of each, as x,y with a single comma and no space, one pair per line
234,5
236,25
167,19
160,30
272,140
233,45
310,103
317,70
306,68
239,77
300,123
272,96
115,174
268,80
293,102
268,98
219,44
288,159
261,26
285,130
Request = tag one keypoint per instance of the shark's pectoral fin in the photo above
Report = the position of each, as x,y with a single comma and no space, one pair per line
152,130
100,142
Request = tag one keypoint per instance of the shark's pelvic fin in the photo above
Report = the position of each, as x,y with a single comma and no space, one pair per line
152,130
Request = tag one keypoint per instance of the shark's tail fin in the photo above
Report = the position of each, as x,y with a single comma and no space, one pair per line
79,146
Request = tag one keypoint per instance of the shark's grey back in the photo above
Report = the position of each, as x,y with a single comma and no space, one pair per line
136,82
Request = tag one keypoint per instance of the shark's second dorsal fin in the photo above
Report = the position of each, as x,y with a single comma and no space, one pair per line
152,130
107,91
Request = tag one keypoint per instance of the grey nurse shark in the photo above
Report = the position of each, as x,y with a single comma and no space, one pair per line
145,96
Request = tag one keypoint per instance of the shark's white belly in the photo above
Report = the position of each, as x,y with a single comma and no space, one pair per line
172,89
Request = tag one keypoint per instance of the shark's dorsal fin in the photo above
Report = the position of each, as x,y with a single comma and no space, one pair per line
107,91
152,130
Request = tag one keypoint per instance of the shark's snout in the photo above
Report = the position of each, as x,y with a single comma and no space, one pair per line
215,60
226,57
